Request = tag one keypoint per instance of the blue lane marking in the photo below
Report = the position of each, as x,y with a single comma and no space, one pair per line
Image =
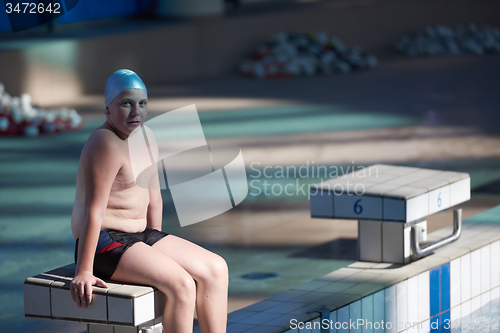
445,287
439,283
434,290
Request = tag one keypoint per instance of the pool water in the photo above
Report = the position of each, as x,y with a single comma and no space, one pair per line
484,319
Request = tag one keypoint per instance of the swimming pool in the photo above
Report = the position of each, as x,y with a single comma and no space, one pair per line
485,319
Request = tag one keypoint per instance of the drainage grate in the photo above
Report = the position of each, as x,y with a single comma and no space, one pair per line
260,276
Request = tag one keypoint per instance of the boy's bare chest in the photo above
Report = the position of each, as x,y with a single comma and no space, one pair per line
125,194
124,180
125,177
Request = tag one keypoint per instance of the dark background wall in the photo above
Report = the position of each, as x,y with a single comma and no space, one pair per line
63,66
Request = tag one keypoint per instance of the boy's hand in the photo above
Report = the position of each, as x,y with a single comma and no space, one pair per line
81,288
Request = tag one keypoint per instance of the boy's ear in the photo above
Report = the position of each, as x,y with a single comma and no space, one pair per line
106,111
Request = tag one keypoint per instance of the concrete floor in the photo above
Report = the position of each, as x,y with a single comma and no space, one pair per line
437,113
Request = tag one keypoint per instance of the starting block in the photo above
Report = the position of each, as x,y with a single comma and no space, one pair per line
391,204
121,308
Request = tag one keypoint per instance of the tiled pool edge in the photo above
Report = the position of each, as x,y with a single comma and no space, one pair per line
376,292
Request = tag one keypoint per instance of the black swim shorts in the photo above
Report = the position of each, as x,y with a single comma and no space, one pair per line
111,246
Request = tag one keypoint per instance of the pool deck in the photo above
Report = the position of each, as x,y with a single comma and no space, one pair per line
437,113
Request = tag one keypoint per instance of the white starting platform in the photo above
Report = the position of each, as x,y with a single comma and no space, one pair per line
121,308
391,204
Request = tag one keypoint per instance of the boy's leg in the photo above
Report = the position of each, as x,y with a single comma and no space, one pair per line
210,272
142,264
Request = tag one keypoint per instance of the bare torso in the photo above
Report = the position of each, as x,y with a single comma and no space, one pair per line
127,205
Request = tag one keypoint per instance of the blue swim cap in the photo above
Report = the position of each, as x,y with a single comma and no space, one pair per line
119,81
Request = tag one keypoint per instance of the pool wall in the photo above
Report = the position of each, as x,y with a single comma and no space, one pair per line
439,293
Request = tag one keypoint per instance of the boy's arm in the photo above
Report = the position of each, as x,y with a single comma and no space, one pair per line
100,168
155,209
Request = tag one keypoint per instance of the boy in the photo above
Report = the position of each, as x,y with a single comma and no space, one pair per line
117,225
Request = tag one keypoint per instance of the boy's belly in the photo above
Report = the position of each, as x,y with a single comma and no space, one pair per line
124,220
114,219
126,211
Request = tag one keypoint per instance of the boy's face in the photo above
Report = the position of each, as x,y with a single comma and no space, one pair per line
128,110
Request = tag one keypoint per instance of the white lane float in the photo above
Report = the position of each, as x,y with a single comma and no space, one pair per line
441,39
19,117
304,54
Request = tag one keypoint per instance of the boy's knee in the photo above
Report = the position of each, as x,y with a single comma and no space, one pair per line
183,288
216,270
220,266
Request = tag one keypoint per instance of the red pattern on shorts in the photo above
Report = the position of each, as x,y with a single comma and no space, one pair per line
111,246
